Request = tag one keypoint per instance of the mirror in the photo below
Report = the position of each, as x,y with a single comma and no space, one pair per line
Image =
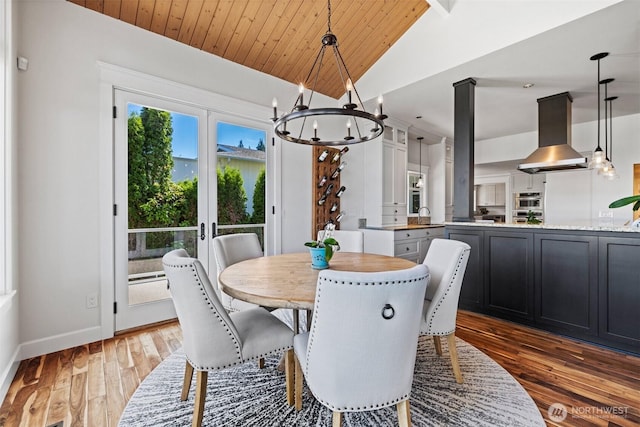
416,196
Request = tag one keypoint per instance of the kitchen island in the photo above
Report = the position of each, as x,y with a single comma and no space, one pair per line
578,281
409,241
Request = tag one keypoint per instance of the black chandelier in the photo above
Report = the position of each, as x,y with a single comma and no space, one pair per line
350,124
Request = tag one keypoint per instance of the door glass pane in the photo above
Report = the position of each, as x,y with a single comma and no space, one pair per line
241,171
162,196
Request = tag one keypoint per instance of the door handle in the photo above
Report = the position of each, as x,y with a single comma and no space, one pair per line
213,230
202,235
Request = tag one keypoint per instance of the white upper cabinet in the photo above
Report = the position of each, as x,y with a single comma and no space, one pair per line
386,171
527,183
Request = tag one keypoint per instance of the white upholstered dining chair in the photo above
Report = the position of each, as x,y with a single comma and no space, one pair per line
349,240
360,356
214,339
447,262
230,249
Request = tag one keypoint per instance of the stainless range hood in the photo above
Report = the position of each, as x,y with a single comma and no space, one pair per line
554,151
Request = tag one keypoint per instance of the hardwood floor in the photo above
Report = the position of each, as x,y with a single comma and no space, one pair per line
90,385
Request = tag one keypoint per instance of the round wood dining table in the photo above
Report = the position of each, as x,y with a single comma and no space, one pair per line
288,281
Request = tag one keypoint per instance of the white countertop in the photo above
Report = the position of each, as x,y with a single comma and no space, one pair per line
547,226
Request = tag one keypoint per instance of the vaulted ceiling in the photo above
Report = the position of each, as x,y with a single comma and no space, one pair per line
278,37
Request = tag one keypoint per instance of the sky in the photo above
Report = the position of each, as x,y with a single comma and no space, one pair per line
185,134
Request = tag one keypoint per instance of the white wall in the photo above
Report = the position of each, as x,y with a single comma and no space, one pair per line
509,22
59,161
577,197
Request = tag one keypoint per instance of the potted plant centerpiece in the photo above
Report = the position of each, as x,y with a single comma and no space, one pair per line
322,249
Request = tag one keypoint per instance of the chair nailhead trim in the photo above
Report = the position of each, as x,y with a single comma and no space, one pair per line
446,292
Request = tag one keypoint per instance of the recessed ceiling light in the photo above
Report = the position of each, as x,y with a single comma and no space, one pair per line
528,85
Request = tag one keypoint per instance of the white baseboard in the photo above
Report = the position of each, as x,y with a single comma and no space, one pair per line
59,342
8,374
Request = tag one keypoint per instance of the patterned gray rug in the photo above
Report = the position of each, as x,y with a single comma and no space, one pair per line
248,396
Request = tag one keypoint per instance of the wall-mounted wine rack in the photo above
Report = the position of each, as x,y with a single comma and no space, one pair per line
327,164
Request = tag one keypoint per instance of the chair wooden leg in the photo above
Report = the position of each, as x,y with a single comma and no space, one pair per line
261,363
186,384
404,413
298,384
337,419
453,351
436,342
289,376
201,394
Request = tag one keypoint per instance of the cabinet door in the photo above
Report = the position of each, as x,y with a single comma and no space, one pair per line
509,274
566,282
400,175
501,197
387,173
619,290
486,195
471,295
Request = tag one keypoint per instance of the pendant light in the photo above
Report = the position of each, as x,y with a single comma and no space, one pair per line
611,173
420,182
597,159
605,169
329,122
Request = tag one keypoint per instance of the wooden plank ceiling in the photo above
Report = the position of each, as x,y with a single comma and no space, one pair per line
277,37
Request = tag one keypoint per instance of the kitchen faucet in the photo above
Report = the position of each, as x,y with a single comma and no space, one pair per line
428,217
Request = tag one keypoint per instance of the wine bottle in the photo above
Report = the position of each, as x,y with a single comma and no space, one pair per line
334,207
328,190
337,170
340,216
339,154
323,156
322,200
323,180
340,191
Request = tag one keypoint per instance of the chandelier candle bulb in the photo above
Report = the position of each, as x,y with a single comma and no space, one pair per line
301,90
348,137
274,103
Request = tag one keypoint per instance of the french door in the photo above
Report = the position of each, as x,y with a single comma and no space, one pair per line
183,175
165,195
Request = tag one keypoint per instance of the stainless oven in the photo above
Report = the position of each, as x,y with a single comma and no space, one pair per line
525,201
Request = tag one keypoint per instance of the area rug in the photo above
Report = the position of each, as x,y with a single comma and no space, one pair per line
248,396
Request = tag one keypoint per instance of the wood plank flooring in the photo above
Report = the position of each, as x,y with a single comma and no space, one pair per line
90,385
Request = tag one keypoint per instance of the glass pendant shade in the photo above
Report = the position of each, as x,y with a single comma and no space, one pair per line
597,159
420,182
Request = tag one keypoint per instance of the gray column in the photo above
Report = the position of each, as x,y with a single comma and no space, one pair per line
463,144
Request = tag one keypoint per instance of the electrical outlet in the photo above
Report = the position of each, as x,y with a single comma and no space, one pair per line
92,300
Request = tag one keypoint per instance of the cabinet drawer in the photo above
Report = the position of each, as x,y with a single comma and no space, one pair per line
394,210
406,247
410,234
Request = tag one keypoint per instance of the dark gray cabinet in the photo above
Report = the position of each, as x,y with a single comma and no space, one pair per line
619,287
509,274
471,293
583,283
567,282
